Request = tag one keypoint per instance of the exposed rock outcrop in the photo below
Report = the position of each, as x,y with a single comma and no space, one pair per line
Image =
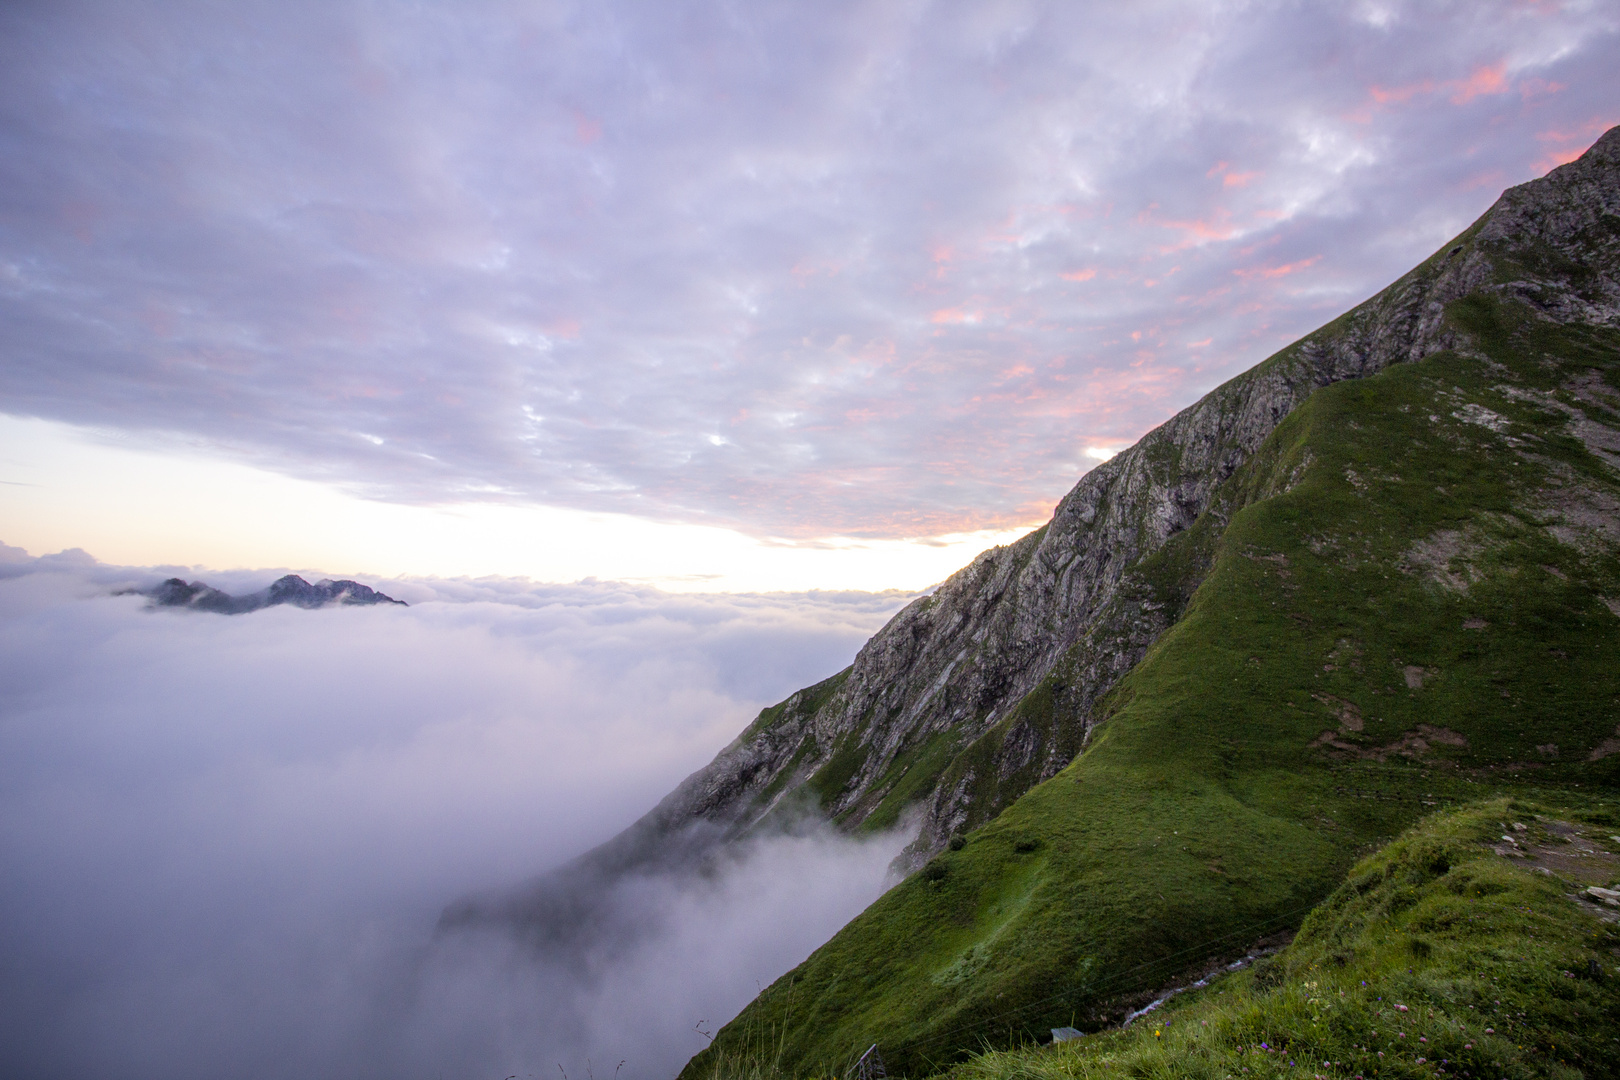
290,589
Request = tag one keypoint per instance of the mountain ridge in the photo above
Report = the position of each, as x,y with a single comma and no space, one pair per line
1342,586
959,660
1376,573
287,589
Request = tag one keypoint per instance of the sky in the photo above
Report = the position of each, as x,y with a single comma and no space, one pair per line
703,295
225,840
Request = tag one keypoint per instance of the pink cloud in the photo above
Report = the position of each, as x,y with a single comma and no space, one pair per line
1400,94
1486,79
1491,178
1198,230
1228,178
1269,272
1079,275
1570,144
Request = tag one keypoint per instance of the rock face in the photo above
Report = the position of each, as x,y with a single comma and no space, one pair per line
940,710
290,589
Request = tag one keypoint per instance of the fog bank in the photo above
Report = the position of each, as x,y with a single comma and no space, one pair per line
227,839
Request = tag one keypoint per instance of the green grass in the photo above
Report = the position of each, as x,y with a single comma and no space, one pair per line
1380,558
1435,958
913,773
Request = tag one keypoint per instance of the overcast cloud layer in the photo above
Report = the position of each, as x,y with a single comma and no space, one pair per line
884,268
225,840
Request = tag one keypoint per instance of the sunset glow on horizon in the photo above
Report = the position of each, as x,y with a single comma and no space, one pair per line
137,506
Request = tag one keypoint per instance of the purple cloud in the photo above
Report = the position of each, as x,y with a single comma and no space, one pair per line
872,268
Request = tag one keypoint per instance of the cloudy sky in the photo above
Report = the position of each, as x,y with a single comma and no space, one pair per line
883,271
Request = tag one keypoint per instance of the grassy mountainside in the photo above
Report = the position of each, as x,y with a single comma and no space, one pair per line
1406,598
1437,957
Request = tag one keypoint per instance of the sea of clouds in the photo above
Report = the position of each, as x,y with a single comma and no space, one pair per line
227,840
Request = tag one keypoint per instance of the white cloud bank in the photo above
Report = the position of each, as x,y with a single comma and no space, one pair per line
226,840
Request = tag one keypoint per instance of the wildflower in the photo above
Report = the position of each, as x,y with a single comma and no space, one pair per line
1401,1008
1490,1031
1468,1046
1420,1061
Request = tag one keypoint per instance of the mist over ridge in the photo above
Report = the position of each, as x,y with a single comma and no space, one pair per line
228,840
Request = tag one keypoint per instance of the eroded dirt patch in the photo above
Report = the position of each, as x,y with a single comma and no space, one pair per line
1347,713
1413,744
1584,856
1447,558
1608,746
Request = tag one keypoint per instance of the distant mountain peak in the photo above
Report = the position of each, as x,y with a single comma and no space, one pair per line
290,589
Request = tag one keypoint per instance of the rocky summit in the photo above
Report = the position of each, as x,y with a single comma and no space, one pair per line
1375,576
290,589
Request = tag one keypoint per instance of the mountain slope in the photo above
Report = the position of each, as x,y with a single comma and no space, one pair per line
924,715
1378,572
1450,949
